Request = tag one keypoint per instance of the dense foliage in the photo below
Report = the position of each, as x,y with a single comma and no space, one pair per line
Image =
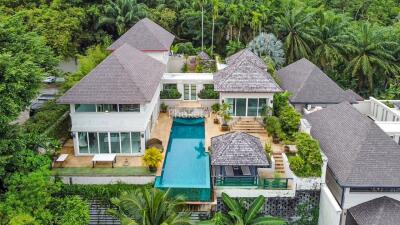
170,94
208,92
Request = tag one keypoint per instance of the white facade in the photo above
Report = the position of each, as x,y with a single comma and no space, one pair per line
161,56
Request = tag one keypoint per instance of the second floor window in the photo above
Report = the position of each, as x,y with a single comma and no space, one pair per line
107,107
129,108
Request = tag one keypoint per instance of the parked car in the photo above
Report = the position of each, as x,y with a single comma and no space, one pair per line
38,103
49,80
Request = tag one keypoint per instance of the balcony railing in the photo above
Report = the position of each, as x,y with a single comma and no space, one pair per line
253,181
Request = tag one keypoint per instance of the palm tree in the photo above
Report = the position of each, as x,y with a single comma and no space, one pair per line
122,14
297,33
233,15
146,206
215,5
331,46
239,215
371,57
202,4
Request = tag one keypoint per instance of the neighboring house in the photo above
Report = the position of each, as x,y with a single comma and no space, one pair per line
247,55
245,86
310,87
363,161
114,107
149,38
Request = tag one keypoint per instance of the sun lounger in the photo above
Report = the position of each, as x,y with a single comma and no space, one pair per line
245,170
229,171
104,158
61,159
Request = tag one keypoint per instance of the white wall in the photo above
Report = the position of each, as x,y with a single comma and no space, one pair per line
355,198
329,209
243,192
107,179
161,56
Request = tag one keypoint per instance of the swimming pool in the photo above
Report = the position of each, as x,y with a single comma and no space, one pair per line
186,169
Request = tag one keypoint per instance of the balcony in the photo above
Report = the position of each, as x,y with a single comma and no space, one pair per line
254,182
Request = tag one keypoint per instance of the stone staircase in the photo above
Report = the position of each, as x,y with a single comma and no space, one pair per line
279,168
248,126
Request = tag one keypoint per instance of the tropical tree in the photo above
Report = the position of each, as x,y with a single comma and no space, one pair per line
234,46
371,57
268,47
298,34
149,207
215,6
122,14
201,4
240,215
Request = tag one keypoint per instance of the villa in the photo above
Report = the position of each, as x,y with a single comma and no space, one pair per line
138,95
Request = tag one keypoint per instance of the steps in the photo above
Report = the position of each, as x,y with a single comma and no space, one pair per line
279,167
248,126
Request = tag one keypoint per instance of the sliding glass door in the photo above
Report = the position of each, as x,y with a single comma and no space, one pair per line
240,107
109,142
189,92
246,106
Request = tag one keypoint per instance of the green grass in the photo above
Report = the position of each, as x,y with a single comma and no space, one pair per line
118,171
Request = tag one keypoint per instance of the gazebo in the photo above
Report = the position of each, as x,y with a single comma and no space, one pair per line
235,159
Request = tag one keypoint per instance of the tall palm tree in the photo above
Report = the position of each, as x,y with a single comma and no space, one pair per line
239,215
122,14
331,45
295,28
371,57
233,15
149,207
201,4
215,8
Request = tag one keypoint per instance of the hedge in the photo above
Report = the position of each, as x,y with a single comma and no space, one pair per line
170,94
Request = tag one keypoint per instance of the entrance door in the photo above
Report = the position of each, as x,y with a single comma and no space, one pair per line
240,107
189,92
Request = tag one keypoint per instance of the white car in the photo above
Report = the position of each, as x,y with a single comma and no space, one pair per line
49,79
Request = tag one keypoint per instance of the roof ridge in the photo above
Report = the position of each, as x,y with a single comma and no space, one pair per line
145,23
305,81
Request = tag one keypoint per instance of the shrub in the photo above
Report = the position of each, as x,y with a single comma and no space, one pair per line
290,120
273,127
208,92
280,101
185,68
215,107
308,151
185,48
268,148
296,165
170,94
163,107
152,157
72,211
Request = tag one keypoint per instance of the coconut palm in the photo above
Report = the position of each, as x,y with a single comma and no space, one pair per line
240,215
201,4
122,14
149,207
371,57
331,46
215,8
298,34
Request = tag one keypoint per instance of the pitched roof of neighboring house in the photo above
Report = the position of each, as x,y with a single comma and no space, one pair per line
246,54
244,76
354,95
359,153
308,84
380,211
145,35
203,55
126,76
237,148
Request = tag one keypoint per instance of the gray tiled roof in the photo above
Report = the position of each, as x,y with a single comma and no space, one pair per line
380,211
126,76
237,148
308,84
354,95
203,55
246,54
244,76
359,153
145,35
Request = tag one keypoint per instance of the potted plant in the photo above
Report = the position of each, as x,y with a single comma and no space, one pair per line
152,158
163,107
215,109
226,116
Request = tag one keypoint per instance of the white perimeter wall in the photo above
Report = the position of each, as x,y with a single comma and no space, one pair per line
329,209
107,179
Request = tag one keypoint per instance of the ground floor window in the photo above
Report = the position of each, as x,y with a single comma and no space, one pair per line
247,106
109,142
189,92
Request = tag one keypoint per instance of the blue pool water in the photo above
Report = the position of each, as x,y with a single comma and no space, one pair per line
186,169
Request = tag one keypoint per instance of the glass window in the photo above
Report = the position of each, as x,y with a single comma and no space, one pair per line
107,108
193,95
103,141
85,108
170,86
125,143
135,139
115,143
93,143
262,102
129,108
231,102
186,91
240,107
252,106
83,144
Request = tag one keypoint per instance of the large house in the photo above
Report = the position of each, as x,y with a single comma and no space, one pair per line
115,108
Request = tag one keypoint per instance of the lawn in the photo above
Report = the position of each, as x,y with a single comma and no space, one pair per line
118,171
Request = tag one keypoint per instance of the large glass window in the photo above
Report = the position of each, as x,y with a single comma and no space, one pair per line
135,139
129,108
107,108
232,103
103,141
115,143
85,108
83,144
93,143
125,143
252,104
170,86
262,102
186,92
193,95
240,107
